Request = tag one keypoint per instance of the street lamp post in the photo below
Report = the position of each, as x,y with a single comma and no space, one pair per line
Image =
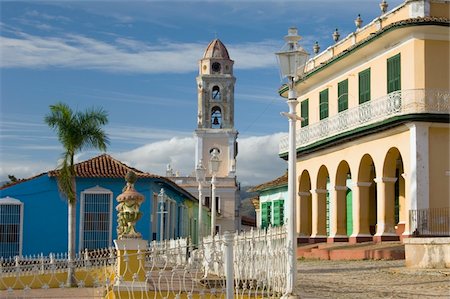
214,164
161,201
200,173
291,59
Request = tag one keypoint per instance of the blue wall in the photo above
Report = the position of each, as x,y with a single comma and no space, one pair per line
45,211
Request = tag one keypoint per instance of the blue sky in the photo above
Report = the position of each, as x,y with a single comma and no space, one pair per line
138,60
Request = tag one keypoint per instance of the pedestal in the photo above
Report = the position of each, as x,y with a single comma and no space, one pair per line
130,272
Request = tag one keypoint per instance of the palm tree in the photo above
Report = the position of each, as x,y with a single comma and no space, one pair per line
76,131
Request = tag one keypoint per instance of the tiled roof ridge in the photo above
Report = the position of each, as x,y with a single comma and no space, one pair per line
278,182
103,166
19,181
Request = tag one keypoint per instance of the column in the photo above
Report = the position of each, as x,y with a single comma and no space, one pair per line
319,221
360,211
385,210
417,195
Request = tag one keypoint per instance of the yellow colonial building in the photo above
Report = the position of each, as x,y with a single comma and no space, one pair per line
373,148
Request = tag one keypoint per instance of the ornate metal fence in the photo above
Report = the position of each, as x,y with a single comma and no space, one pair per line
253,263
430,222
401,102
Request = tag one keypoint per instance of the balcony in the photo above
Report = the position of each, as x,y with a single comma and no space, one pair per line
395,104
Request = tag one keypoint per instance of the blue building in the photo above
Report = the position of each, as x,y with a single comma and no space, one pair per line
33,214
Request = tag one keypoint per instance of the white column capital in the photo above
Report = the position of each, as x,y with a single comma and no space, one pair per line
304,193
362,184
321,191
340,188
385,180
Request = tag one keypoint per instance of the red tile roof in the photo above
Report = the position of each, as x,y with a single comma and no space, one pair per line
104,166
278,182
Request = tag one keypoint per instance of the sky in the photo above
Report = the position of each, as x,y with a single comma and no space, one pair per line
139,61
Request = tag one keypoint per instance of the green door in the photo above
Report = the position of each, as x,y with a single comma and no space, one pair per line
349,212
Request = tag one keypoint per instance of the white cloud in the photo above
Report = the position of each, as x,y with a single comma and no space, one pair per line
122,55
257,161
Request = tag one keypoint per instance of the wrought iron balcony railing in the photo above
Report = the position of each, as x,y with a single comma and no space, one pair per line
398,103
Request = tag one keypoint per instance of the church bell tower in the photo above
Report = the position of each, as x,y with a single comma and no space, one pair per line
215,129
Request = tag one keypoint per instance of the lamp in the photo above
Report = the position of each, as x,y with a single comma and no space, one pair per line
292,59
214,164
200,173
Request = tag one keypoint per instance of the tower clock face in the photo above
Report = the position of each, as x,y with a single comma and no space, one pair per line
215,67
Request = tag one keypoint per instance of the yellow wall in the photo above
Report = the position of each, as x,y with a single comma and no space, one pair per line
440,10
437,64
439,149
412,76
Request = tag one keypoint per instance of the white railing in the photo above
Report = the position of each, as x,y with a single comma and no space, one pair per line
402,102
172,269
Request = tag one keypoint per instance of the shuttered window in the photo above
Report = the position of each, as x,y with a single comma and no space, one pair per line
96,222
304,112
342,95
278,212
364,86
393,74
323,104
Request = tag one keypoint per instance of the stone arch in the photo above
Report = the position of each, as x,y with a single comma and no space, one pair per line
320,206
216,117
391,197
367,194
216,93
342,214
304,209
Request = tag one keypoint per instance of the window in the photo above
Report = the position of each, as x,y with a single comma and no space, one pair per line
216,118
96,222
304,112
216,93
342,95
266,214
207,202
364,86
323,104
393,74
11,227
278,212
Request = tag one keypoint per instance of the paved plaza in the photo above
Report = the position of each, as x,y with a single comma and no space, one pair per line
370,279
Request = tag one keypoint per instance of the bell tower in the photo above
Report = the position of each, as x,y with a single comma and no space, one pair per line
215,118
215,130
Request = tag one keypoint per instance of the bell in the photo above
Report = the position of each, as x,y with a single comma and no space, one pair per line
215,121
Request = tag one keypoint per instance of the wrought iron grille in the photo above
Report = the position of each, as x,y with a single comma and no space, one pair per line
430,222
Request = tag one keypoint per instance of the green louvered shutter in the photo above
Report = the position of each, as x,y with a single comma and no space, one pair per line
304,112
323,104
342,95
281,212
364,86
393,74
276,213
264,212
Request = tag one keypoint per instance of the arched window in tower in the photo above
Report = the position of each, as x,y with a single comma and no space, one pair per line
216,93
216,118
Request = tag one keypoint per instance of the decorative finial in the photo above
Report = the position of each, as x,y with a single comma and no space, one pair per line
316,48
336,35
128,209
131,177
383,6
358,21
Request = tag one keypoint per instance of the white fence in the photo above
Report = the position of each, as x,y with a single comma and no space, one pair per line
171,269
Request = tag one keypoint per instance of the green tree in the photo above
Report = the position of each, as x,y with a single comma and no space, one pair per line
76,131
